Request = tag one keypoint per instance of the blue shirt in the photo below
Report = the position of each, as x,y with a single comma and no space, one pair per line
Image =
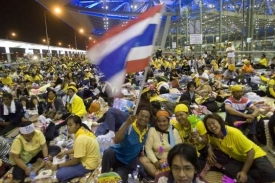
130,147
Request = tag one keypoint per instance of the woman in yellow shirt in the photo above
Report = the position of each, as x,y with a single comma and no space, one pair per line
86,152
263,63
75,104
271,87
196,136
247,162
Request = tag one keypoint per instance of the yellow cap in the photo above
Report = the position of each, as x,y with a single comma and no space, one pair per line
181,108
231,67
73,88
236,88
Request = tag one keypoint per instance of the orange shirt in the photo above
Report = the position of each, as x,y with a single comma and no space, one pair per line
247,69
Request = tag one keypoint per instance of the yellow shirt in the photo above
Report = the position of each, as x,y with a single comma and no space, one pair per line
20,145
263,62
236,145
155,140
77,106
7,80
264,79
215,67
66,85
271,87
185,133
38,78
87,149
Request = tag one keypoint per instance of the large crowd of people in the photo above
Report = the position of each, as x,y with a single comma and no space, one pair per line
176,132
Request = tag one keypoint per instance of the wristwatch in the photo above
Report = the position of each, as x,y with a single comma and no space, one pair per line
57,166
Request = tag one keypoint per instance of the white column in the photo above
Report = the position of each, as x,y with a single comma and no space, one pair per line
41,53
8,54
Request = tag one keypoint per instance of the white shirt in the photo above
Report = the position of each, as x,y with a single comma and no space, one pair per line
230,54
204,75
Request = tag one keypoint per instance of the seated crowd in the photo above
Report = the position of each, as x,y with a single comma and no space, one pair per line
176,134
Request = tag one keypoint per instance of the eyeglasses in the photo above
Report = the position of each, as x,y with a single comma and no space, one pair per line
185,169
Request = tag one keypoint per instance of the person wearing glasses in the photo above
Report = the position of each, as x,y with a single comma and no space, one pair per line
184,166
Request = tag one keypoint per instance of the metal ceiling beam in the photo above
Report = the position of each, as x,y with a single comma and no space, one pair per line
261,6
229,13
119,6
94,4
103,11
269,7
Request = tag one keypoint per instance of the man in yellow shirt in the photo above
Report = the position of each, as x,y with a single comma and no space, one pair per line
28,147
6,80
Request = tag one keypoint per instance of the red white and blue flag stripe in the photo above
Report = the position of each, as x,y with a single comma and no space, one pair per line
126,49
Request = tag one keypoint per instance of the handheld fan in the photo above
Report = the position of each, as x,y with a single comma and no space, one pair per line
193,120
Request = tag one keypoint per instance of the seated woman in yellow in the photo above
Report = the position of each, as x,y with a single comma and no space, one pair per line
215,67
75,104
37,77
28,147
271,87
160,140
86,152
247,162
263,63
196,136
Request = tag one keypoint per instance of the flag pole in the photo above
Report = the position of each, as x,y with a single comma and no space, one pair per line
140,90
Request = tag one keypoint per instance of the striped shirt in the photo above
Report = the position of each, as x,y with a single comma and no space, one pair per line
239,105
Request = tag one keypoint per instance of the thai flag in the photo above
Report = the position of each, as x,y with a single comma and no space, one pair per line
126,49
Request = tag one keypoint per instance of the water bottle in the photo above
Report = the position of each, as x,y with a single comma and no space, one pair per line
102,145
136,173
32,174
27,115
131,179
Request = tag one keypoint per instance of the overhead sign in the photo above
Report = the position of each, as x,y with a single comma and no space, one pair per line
174,45
195,38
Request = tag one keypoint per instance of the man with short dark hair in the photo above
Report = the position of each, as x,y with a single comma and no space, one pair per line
235,107
11,114
129,143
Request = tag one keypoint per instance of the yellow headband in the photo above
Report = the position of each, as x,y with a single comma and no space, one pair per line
181,108
236,88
